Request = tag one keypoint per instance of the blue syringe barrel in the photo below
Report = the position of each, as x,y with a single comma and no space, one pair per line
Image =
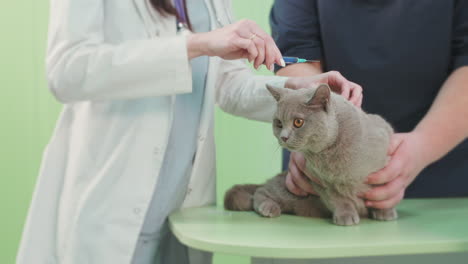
290,60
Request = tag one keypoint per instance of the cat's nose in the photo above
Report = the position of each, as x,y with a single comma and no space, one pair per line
284,139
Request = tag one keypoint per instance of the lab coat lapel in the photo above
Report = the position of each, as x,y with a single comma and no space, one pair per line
219,17
155,24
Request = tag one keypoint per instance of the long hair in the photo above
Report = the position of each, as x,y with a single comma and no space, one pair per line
165,8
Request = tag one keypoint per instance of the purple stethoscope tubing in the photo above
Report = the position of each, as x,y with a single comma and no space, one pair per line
182,20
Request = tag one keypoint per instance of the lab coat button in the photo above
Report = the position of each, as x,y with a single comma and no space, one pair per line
136,210
156,151
201,138
189,190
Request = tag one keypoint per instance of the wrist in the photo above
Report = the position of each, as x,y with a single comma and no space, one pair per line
296,83
427,146
290,83
195,45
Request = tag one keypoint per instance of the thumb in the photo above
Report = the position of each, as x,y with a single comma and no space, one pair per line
395,142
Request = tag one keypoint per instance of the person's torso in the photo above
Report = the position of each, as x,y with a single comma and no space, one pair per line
400,51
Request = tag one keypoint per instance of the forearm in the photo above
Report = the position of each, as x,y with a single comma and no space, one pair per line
195,46
301,70
241,93
446,123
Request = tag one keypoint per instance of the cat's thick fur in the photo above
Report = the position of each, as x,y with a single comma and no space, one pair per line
342,146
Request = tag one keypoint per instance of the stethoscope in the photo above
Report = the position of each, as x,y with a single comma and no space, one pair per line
182,27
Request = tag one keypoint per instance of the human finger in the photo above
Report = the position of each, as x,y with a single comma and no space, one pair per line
387,204
300,180
248,46
386,191
395,142
270,55
260,45
297,159
292,187
338,83
359,104
346,91
356,93
388,173
270,44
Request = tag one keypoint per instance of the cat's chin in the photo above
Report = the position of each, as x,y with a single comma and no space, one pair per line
290,148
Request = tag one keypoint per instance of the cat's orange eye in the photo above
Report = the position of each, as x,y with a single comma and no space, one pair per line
298,122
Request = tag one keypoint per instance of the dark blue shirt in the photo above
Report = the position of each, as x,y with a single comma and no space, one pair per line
400,51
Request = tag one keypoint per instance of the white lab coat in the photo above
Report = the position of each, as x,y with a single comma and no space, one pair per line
117,66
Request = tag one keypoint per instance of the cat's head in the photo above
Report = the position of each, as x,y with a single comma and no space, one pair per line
305,119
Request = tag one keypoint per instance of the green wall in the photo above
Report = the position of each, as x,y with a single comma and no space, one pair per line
246,149
27,112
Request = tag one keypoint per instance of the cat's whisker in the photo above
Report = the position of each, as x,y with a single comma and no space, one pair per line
274,153
277,147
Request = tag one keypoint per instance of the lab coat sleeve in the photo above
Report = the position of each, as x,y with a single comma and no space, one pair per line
241,93
238,90
82,66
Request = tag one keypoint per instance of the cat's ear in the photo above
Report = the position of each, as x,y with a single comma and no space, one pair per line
276,92
321,97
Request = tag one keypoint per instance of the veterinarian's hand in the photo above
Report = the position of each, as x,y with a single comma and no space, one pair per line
336,81
408,159
296,179
242,39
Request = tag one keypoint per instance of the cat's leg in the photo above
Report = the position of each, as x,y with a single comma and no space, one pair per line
360,205
239,197
312,206
383,214
264,205
345,214
343,208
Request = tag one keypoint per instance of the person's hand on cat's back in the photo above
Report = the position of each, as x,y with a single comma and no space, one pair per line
408,159
337,82
297,181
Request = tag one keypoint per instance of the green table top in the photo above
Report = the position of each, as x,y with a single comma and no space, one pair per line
424,226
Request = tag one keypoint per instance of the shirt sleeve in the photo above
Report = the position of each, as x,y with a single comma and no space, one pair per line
295,28
460,35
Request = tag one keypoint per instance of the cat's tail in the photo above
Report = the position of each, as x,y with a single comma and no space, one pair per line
240,197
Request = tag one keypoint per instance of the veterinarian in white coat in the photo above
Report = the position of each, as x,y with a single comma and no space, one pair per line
118,67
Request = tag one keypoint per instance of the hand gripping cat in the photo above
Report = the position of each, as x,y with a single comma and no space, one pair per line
342,145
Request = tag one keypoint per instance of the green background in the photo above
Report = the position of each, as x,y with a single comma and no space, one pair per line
246,150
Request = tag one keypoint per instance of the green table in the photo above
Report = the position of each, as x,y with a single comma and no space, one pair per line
424,226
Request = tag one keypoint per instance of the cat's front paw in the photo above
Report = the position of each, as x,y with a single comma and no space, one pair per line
346,218
269,209
384,214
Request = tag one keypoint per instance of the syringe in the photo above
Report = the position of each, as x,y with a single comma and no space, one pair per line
292,60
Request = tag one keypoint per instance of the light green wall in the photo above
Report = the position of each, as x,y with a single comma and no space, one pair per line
246,149
27,112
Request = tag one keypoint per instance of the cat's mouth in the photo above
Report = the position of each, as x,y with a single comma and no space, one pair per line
289,147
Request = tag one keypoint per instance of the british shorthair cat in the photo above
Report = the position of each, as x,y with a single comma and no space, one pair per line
342,145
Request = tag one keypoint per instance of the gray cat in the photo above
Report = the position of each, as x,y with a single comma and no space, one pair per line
342,146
